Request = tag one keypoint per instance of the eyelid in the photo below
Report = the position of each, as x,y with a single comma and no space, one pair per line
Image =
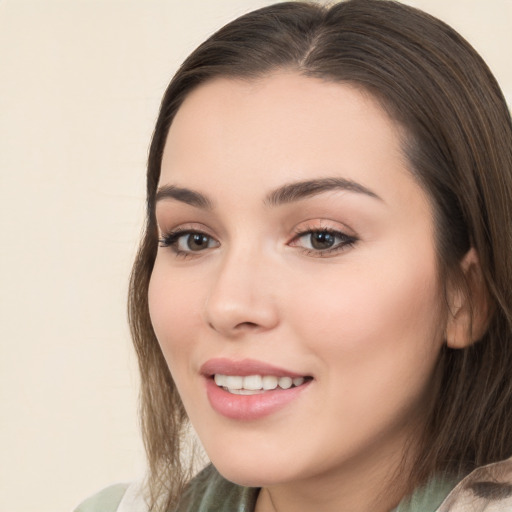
168,239
166,228
323,226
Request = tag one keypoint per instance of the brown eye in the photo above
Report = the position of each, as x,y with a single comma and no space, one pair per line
322,240
186,242
197,241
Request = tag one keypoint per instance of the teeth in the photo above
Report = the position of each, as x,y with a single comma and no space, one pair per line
245,391
253,384
285,382
220,380
270,382
234,382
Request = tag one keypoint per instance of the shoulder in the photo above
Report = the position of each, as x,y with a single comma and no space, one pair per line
208,491
106,500
116,498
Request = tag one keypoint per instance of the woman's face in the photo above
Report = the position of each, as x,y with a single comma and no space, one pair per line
296,250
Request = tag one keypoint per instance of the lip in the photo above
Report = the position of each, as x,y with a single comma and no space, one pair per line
243,368
248,407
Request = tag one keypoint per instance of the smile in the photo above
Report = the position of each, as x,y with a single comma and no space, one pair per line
255,384
250,390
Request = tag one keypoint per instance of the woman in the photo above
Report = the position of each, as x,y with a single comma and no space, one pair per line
324,284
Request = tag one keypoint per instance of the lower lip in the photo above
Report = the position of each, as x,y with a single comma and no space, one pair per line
250,407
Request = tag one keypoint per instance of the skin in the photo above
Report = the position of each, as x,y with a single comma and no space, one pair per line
364,320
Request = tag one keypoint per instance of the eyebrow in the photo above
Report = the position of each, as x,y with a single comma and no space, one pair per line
285,194
184,195
302,189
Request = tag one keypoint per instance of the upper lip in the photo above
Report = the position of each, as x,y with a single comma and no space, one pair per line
243,368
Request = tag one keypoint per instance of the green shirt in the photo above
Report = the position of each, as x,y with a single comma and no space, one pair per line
106,500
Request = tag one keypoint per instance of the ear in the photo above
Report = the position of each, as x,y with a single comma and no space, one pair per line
469,308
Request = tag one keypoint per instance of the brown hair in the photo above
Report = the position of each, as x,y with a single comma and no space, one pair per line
459,146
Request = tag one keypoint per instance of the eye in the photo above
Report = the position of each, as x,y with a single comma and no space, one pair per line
322,242
187,242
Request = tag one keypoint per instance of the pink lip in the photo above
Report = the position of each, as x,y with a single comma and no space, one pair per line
243,368
248,407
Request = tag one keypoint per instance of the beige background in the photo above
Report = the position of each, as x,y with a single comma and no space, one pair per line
80,84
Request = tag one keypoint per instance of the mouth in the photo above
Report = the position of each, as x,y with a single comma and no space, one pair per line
256,384
250,390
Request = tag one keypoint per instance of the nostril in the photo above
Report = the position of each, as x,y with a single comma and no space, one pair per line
248,325
240,327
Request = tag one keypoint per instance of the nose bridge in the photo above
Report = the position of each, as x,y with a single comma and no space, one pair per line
240,297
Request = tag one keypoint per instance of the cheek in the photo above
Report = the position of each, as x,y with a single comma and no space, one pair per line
377,336
174,311
371,313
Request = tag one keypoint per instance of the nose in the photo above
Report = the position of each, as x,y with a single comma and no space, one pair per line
242,296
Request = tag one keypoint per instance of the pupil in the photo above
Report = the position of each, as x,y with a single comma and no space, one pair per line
197,241
322,240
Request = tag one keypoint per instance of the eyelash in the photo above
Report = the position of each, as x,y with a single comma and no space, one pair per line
171,240
345,243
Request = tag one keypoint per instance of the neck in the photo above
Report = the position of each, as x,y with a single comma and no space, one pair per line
371,484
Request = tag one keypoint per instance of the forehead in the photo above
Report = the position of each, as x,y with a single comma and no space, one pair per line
276,100
285,120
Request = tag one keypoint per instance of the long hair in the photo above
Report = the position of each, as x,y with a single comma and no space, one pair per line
459,148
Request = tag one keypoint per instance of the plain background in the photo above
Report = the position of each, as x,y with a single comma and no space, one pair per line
80,85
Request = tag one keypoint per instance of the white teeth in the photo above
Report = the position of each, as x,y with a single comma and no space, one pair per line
253,384
285,382
245,391
233,382
269,382
220,380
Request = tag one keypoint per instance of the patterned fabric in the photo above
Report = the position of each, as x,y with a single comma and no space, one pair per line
487,488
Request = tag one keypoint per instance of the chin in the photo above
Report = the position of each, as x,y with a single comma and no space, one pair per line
251,477
257,471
